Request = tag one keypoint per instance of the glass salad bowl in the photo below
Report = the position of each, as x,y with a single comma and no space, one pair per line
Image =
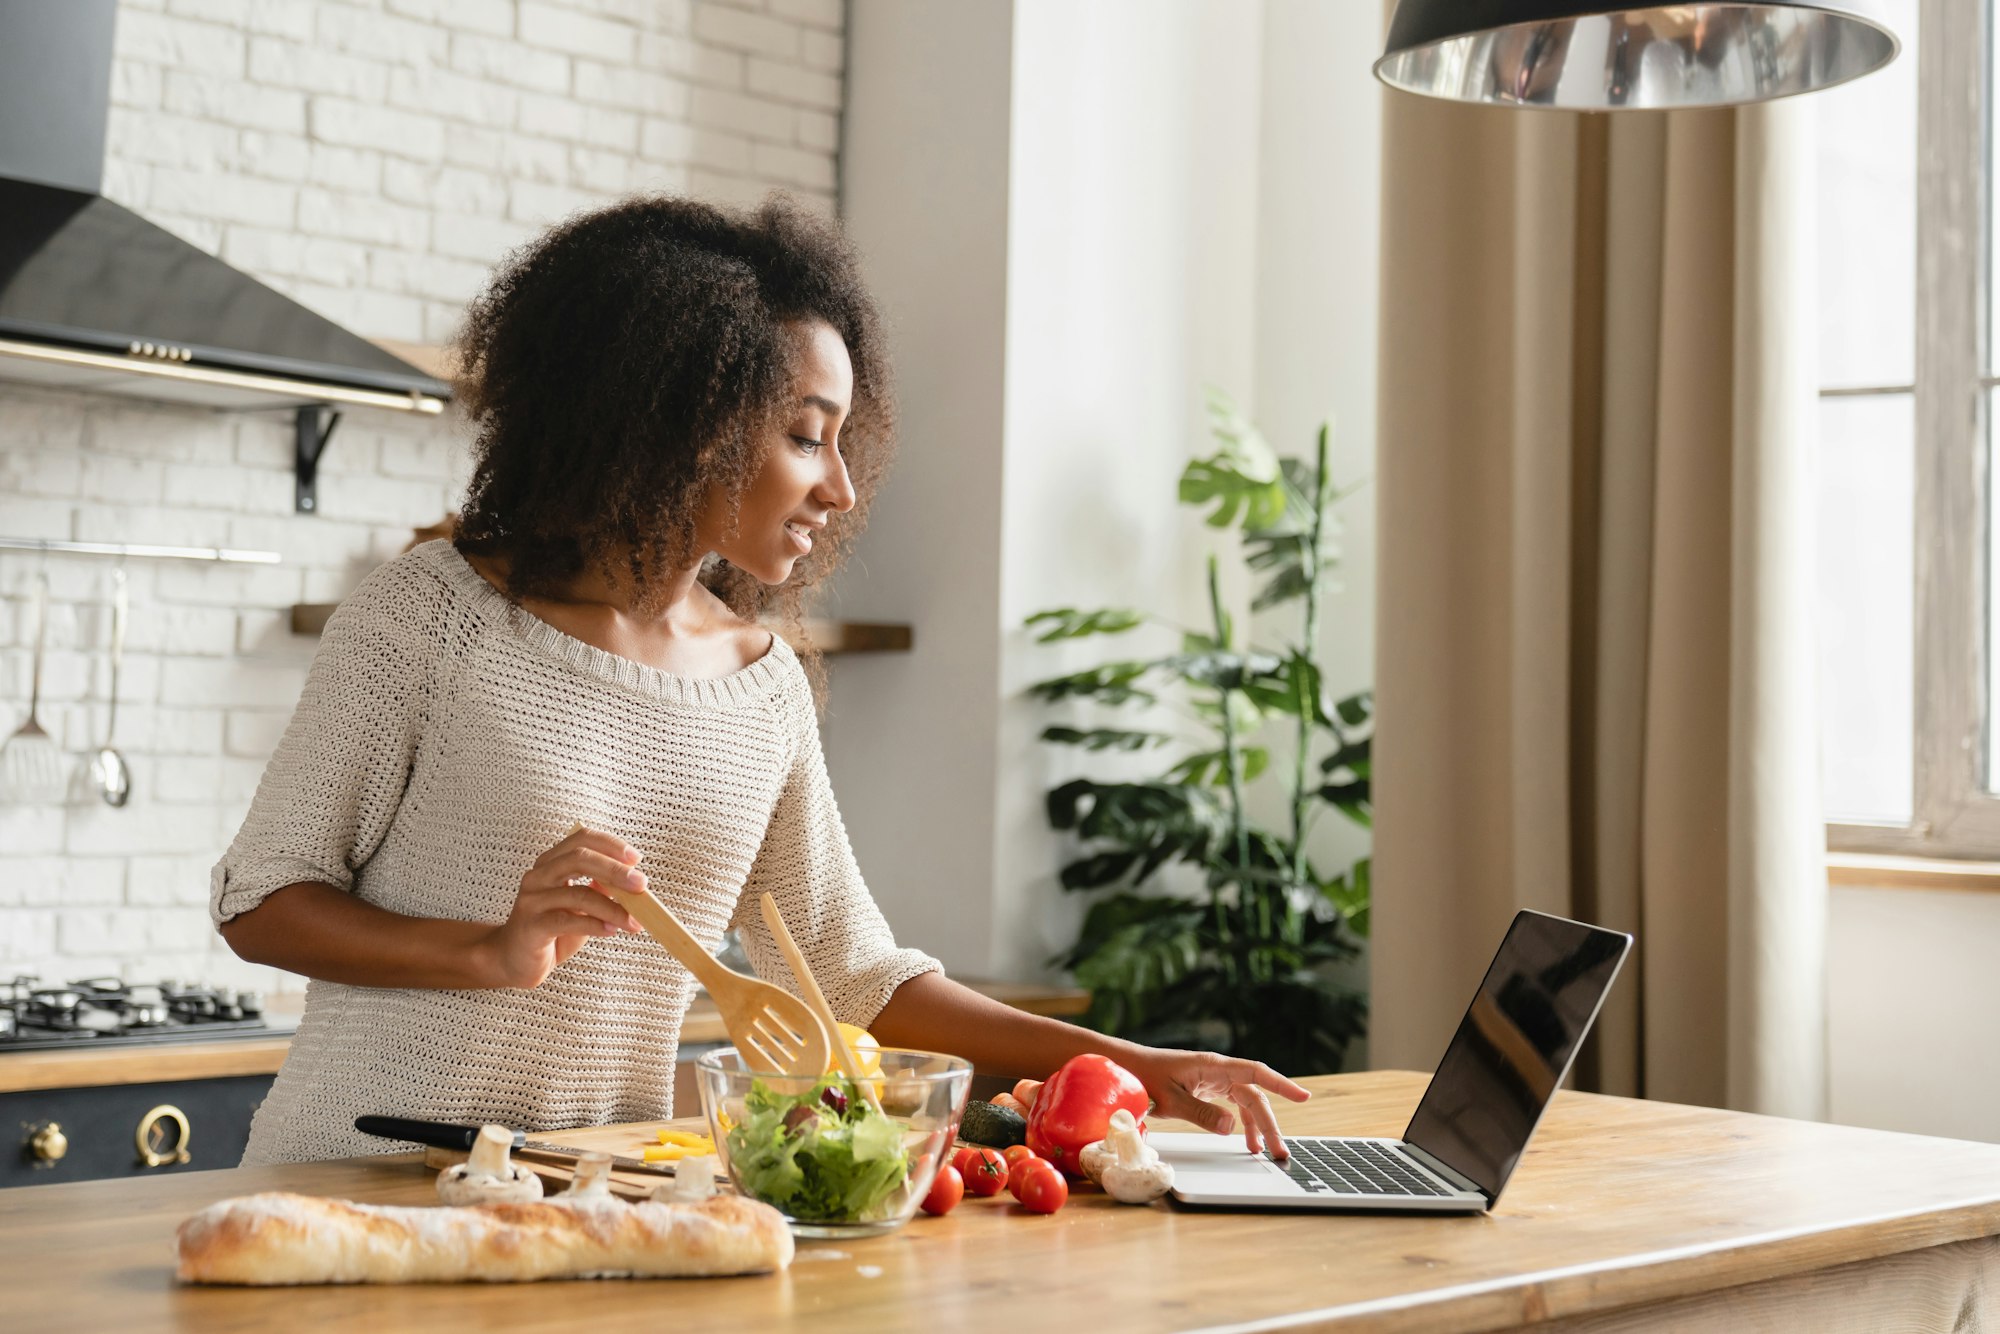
820,1152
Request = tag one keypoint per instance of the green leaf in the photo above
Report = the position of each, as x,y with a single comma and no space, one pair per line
1210,768
1357,709
1349,894
1131,948
1220,670
1103,738
1111,683
1069,623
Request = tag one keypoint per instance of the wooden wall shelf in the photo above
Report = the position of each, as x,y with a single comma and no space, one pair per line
309,618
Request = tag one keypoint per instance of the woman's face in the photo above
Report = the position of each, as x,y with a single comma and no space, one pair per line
803,479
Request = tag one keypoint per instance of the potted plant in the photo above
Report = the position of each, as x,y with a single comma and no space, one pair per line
1248,963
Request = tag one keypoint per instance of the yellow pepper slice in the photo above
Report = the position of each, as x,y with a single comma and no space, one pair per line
687,1137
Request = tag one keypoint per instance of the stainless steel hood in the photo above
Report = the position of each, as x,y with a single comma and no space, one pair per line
94,297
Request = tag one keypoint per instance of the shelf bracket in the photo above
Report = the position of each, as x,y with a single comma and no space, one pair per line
315,423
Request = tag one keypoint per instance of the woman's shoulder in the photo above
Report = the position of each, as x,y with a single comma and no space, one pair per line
422,594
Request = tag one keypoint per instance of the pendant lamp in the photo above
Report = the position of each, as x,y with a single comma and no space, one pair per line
1576,55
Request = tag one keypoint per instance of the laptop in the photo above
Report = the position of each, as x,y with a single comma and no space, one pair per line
1512,1050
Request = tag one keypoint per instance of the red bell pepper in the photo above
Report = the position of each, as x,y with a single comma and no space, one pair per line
1073,1109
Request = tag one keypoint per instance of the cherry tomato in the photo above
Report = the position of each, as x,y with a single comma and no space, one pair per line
988,1174
946,1191
1014,1153
961,1158
1038,1184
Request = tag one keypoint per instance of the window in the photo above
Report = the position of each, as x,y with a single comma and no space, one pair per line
1911,746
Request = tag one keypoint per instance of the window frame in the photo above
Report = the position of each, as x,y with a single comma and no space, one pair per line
1953,815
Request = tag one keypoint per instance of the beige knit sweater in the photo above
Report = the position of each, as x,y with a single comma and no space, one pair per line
445,739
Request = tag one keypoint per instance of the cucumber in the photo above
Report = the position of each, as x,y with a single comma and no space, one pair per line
995,1127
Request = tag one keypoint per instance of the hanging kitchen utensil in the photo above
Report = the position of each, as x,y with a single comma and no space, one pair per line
109,774
31,768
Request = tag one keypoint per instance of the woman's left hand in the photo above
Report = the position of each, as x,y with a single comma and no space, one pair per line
1181,1082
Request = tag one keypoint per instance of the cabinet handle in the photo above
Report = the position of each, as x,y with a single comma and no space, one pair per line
151,1138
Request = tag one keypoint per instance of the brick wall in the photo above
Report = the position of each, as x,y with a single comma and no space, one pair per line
372,160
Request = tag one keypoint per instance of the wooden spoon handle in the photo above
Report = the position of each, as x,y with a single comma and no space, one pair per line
809,987
676,939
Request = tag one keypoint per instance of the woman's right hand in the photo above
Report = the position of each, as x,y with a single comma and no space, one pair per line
561,905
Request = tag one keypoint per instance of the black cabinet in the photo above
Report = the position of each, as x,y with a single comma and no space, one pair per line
126,1129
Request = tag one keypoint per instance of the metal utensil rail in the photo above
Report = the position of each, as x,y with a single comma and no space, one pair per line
139,551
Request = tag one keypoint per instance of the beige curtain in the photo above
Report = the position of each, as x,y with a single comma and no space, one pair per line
1594,681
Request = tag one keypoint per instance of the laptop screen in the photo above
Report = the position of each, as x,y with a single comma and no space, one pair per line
1515,1044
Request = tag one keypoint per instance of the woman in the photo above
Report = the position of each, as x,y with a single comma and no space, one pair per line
680,414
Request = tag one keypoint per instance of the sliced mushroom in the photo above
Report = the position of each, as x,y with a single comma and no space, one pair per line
489,1176
591,1182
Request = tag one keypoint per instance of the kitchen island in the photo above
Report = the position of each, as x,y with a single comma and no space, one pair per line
1623,1215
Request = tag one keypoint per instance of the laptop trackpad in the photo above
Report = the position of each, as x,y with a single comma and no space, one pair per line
1220,1165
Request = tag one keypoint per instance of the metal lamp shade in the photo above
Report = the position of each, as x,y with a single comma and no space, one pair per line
1578,56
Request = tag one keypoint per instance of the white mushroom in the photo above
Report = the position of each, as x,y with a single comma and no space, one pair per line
591,1182
1094,1158
1135,1174
488,1177
694,1181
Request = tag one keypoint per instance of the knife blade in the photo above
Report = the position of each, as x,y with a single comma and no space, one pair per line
445,1135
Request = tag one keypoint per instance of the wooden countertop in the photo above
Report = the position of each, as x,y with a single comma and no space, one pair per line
73,1068
1617,1202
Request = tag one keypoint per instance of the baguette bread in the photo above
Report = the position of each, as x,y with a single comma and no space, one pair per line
279,1238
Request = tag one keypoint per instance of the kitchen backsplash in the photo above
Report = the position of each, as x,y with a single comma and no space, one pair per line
373,161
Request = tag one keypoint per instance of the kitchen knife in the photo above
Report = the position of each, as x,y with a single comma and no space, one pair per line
445,1135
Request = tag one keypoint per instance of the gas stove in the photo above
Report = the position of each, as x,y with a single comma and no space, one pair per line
104,1011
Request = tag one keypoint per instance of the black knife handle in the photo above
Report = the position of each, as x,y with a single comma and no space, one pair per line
437,1134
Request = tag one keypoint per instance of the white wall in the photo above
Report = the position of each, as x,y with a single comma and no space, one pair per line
372,159
1149,153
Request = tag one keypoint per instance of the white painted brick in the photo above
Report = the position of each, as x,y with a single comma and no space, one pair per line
142,523
602,173
268,634
282,157
720,152
361,218
633,89
27,937
22,517
440,92
128,183
140,828
40,472
818,130
39,418
230,585
740,31
255,733
44,882
169,930
312,542
729,191
550,28
829,14
231,13
263,250
181,630
468,147
114,931
229,487
239,778
203,233
379,36
428,459
163,881
693,61
177,141
431,276
136,85
533,202
790,83
234,101
372,314
713,108
528,159
175,43
355,170
302,67
487,16
654,15
121,480
283,18
186,780
510,62
442,320
171,730
223,199
356,125
566,119
229,684
171,435
666,141
380,499
455,189
822,51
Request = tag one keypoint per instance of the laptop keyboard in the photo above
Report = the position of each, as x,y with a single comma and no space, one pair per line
1354,1167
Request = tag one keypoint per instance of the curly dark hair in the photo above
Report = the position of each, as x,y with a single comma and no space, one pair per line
630,358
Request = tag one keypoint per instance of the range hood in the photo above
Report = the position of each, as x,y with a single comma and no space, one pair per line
94,297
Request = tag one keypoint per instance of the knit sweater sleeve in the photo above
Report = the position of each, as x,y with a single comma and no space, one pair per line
808,867
335,782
